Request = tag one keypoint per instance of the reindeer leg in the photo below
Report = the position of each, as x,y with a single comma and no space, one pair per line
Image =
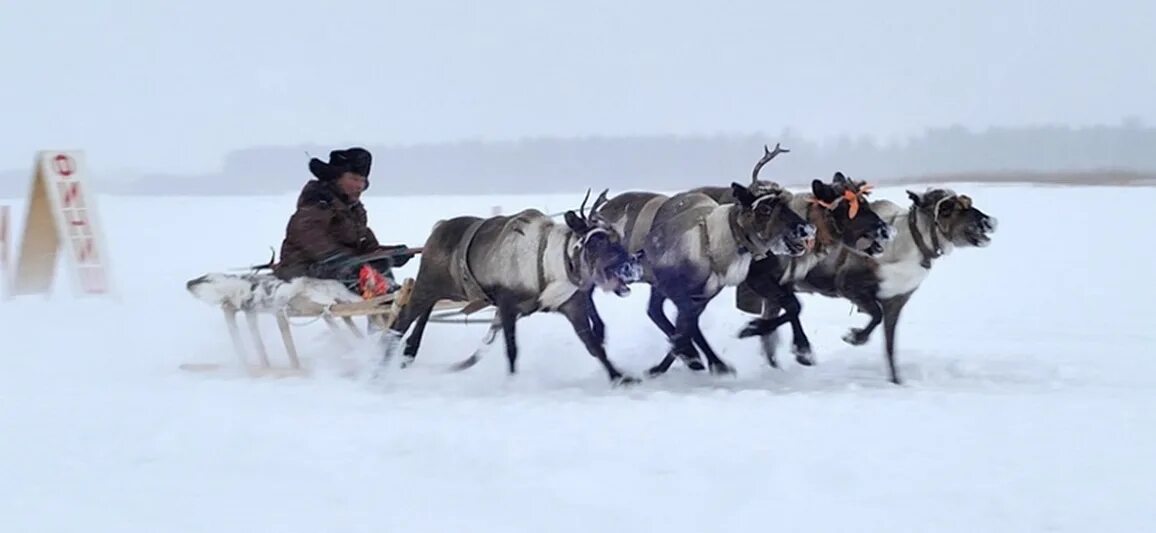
655,312
792,308
597,326
774,297
860,336
509,315
770,340
577,311
688,329
860,286
413,342
421,300
891,309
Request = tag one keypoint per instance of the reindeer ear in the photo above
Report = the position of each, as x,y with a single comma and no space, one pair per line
823,191
840,178
575,222
742,194
918,200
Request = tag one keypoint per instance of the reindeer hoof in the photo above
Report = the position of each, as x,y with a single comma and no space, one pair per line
722,369
625,380
752,329
856,337
406,360
695,364
803,355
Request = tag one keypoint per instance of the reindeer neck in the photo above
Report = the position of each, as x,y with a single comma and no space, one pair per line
742,239
569,262
825,232
927,253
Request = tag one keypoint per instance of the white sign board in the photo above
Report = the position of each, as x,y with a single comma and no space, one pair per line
61,215
5,245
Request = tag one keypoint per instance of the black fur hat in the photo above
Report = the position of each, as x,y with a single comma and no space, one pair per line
356,160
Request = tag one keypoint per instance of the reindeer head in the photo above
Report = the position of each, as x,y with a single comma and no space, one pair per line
858,227
954,216
598,252
768,223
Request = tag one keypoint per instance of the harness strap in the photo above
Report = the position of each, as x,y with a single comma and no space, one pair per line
928,254
746,245
569,261
470,285
643,222
543,240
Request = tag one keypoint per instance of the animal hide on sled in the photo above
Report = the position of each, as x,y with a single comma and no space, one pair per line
265,293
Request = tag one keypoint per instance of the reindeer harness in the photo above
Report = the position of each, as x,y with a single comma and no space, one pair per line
644,220
697,217
936,250
474,291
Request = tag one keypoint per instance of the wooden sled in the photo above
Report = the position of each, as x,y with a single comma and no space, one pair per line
382,310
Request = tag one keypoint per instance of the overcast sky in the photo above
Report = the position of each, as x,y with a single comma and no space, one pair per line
172,86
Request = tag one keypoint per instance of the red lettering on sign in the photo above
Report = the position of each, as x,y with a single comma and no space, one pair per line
70,195
86,251
64,165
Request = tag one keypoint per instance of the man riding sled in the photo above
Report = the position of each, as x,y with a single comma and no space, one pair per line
328,237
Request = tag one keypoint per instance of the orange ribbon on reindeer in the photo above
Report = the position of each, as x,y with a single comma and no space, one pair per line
852,198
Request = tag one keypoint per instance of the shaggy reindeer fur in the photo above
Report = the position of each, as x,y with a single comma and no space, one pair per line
937,221
522,263
847,225
266,293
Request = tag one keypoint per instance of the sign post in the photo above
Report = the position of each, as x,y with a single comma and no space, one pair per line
61,215
5,270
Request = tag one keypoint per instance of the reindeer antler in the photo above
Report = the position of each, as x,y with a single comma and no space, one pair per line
768,155
599,201
582,208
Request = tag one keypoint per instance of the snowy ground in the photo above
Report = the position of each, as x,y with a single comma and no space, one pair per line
1028,404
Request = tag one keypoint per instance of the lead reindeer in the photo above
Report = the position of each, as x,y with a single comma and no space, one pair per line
938,221
522,264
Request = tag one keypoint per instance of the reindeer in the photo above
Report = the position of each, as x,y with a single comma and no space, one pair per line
697,246
880,286
693,245
632,213
846,225
522,263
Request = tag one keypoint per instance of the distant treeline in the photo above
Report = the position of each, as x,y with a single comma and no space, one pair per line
549,165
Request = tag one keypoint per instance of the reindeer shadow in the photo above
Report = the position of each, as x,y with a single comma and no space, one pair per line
854,370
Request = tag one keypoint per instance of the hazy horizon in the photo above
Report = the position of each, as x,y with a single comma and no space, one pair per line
174,88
